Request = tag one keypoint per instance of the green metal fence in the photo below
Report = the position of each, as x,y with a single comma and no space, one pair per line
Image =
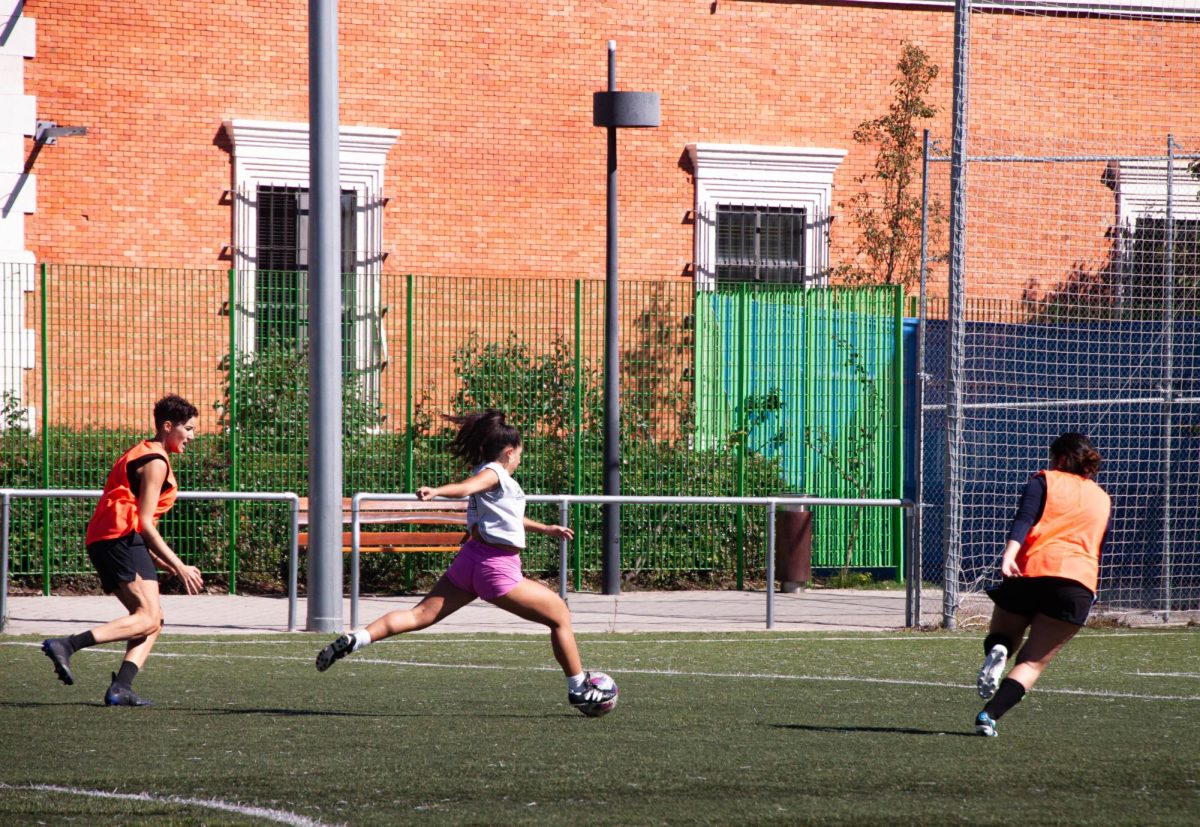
746,392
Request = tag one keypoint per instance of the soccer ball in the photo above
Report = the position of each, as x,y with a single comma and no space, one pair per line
600,681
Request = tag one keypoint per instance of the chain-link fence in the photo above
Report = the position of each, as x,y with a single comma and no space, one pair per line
1074,292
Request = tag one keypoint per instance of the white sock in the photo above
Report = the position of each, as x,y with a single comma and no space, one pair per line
361,638
576,683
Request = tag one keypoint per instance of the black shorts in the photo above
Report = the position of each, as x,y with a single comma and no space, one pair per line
121,561
1055,597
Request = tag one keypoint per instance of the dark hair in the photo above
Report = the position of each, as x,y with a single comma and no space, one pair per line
1075,454
482,436
174,409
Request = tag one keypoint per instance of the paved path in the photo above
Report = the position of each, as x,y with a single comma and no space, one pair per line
678,611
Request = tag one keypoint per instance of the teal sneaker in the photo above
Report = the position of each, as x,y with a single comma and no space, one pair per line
985,725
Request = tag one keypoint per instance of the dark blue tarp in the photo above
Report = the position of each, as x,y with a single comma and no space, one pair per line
1100,378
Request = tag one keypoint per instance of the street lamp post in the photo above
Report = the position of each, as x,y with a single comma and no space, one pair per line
615,110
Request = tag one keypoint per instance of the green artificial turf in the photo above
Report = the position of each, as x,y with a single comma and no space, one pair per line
710,729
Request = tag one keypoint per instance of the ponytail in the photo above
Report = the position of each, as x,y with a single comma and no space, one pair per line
482,436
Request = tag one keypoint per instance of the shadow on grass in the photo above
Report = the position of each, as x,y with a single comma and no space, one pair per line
327,713
898,730
48,704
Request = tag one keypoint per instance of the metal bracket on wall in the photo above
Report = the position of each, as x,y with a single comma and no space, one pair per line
48,132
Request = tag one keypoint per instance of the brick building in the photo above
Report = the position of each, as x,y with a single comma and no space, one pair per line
467,144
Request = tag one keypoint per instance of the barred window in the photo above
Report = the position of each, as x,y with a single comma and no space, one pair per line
281,278
761,244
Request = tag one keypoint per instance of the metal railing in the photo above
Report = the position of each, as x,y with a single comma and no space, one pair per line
912,584
7,495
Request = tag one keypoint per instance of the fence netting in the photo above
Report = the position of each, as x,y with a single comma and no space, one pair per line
1074,302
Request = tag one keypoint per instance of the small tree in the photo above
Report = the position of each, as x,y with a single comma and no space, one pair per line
888,208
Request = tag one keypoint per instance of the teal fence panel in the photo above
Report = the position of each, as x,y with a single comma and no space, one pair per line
809,377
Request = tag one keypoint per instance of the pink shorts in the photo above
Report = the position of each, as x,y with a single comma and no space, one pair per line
485,570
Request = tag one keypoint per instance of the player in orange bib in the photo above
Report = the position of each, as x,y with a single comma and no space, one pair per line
124,546
1051,566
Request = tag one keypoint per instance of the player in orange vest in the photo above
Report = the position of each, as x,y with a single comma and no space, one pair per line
124,546
1051,566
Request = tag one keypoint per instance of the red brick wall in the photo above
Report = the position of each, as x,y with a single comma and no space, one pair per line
498,171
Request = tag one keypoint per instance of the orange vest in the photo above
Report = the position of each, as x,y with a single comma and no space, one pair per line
116,514
1065,542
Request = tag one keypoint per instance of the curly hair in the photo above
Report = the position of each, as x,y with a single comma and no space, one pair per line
174,409
1075,454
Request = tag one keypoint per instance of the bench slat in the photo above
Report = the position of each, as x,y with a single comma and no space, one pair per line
449,512
402,549
398,538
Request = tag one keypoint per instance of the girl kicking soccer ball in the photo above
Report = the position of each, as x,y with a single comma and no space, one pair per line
1051,566
489,563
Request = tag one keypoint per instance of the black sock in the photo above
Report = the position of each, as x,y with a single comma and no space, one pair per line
127,673
81,641
995,637
1007,696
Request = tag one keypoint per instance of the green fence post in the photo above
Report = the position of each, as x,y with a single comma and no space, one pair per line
408,382
898,428
740,491
576,520
45,438
233,443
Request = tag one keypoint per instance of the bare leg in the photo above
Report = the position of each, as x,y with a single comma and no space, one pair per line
1047,637
141,626
443,600
533,601
1010,625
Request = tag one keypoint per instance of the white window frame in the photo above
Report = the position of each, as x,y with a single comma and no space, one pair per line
18,193
761,176
275,153
1140,188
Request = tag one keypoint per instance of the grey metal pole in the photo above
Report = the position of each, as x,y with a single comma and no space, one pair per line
611,560
958,255
355,557
563,519
293,563
1168,379
912,613
771,508
324,331
915,569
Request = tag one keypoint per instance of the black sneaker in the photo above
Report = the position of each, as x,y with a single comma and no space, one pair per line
335,651
118,695
60,655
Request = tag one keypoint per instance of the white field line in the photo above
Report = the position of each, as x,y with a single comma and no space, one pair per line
765,676
1142,674
745,639
279,816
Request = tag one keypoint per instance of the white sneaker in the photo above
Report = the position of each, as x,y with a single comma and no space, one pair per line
991,671
985,725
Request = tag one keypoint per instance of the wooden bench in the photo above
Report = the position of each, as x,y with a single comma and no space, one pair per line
405,512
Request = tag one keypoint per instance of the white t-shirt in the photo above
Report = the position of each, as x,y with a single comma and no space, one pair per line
499,512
